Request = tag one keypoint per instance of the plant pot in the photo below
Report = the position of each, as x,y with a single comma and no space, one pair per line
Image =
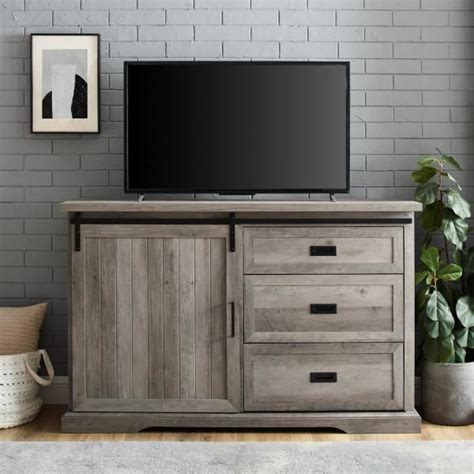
448,393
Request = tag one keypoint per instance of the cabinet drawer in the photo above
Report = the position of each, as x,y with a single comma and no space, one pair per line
323,250
323,308
323,377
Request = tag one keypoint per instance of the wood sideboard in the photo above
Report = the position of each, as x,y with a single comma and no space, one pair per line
241,314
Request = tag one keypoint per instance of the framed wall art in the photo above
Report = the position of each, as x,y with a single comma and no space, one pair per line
65,83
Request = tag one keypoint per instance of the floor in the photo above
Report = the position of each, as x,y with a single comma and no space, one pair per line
47,428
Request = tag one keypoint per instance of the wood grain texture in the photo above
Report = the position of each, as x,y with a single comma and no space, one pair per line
77,353
358,249
140,326
203,318
369,377
187,323
348,422
124,319
108,324
171,318
168,320
369,308
409,320
91,345
235,365
181,405
218,319
240,206
150,231
156,336
161,304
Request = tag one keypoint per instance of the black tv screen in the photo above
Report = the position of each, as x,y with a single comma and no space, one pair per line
236,127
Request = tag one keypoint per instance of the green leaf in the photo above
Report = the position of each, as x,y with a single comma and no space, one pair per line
455,230
420,276
430,257
465,311
421,298
450,272
459,353
453,179
458,204
439,321
432,216
426,193
458,256
438,350
424,174
428,160
461,335
450,160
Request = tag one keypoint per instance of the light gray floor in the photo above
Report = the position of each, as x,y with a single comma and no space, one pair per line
196,457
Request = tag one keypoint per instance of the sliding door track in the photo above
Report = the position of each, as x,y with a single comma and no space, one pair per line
231,220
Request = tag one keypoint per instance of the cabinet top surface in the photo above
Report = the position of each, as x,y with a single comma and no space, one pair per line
240,206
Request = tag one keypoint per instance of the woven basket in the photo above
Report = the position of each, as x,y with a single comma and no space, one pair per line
19,387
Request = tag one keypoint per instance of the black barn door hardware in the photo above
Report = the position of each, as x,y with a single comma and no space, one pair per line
77,220
232,232
77,231
232,319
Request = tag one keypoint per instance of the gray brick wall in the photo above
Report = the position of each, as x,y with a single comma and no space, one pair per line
412,80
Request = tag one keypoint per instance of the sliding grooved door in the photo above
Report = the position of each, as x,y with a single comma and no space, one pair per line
150,320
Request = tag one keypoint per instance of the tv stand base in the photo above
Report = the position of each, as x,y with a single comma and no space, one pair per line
192,297
354,422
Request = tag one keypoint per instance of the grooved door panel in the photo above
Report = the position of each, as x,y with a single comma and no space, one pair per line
150,321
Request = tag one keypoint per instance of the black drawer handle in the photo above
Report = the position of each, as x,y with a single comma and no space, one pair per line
323,377
323,251
232,319
323,308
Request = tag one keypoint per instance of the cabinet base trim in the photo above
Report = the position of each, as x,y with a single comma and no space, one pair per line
360,422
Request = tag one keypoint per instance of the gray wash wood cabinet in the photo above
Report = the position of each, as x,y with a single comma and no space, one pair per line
241,314
150,310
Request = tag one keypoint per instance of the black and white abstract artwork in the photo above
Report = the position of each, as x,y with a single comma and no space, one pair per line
65,83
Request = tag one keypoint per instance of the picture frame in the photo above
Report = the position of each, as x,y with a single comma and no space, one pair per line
65,74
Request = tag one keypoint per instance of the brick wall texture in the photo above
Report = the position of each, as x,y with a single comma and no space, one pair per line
412,77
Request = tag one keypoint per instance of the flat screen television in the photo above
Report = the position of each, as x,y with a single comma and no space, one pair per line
236,127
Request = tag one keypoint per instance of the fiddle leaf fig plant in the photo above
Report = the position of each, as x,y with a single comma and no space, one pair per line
445,281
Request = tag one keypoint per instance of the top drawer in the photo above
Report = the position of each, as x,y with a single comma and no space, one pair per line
323,249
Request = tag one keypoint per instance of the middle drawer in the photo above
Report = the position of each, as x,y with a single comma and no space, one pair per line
323,308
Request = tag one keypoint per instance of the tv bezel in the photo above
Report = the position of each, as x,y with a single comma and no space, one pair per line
129,190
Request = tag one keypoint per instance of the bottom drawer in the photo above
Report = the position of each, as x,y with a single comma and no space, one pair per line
323,377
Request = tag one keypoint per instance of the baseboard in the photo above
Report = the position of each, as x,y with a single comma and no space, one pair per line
58,392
